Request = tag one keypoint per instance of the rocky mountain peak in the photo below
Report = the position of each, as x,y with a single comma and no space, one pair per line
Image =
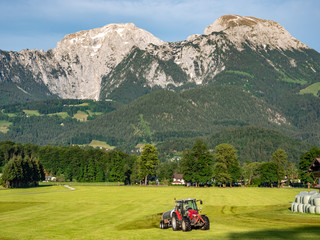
111,34
98,50
258,32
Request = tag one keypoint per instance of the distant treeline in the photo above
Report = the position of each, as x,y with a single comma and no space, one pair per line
73,163
198,164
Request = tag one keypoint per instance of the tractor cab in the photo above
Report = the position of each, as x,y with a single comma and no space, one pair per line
188,207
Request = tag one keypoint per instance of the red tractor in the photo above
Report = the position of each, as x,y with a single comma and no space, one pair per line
185,216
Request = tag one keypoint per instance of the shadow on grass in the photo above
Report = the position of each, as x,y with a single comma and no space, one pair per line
311,232
13,206
148,222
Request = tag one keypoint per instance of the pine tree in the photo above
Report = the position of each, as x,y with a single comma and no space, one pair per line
22,172
227,168
148,161
197,164
279,158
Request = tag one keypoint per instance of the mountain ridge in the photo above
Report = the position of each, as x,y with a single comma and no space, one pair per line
81,63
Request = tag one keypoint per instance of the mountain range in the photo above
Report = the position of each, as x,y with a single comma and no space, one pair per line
243,71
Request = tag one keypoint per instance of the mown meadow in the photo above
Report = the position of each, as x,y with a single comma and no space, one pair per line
133,212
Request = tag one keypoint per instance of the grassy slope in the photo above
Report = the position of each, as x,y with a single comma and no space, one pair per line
4,126
32,112
81,116
97,143
93,212
313,89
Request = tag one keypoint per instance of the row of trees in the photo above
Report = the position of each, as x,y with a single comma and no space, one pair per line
198,164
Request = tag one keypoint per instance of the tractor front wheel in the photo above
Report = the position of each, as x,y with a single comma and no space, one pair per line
186,224
206,225
175,222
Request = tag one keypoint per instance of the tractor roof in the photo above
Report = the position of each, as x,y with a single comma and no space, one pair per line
186,200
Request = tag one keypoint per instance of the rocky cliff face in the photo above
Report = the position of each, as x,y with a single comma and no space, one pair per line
95,64
258,32
74,69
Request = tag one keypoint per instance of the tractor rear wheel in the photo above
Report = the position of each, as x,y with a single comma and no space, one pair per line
206,225
175,222
186,224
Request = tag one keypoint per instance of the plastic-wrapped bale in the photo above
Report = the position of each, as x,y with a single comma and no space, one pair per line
306,208
316,201
306,199
300,207
317,210
298,198
311,200
312,194
312,209
295,207
292,206
301,196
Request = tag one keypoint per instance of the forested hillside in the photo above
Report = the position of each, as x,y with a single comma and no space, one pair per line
252,143
164,115
218,114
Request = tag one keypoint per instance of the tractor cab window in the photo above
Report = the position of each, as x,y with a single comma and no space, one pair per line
191,205
179,206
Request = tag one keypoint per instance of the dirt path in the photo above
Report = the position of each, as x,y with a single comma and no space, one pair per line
71,188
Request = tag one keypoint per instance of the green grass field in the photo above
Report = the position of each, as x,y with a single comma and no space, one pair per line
94,113
125,212
81,116
61,114
313,89
32,112
4,126
96,143
11,114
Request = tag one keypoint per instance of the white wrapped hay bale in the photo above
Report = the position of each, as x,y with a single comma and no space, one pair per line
300,197
316,201
312,209
300,207
295,207
317,210
306,199
292,206
306,208
313,194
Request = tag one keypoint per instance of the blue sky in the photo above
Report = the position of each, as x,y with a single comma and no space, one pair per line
41,24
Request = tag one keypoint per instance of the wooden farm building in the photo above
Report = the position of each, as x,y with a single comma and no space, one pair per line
315,169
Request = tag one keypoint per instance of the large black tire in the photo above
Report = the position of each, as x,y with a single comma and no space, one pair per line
165,225
206,225
186,224
161,224
175,222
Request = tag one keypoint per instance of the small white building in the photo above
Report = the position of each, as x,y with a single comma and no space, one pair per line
178,179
